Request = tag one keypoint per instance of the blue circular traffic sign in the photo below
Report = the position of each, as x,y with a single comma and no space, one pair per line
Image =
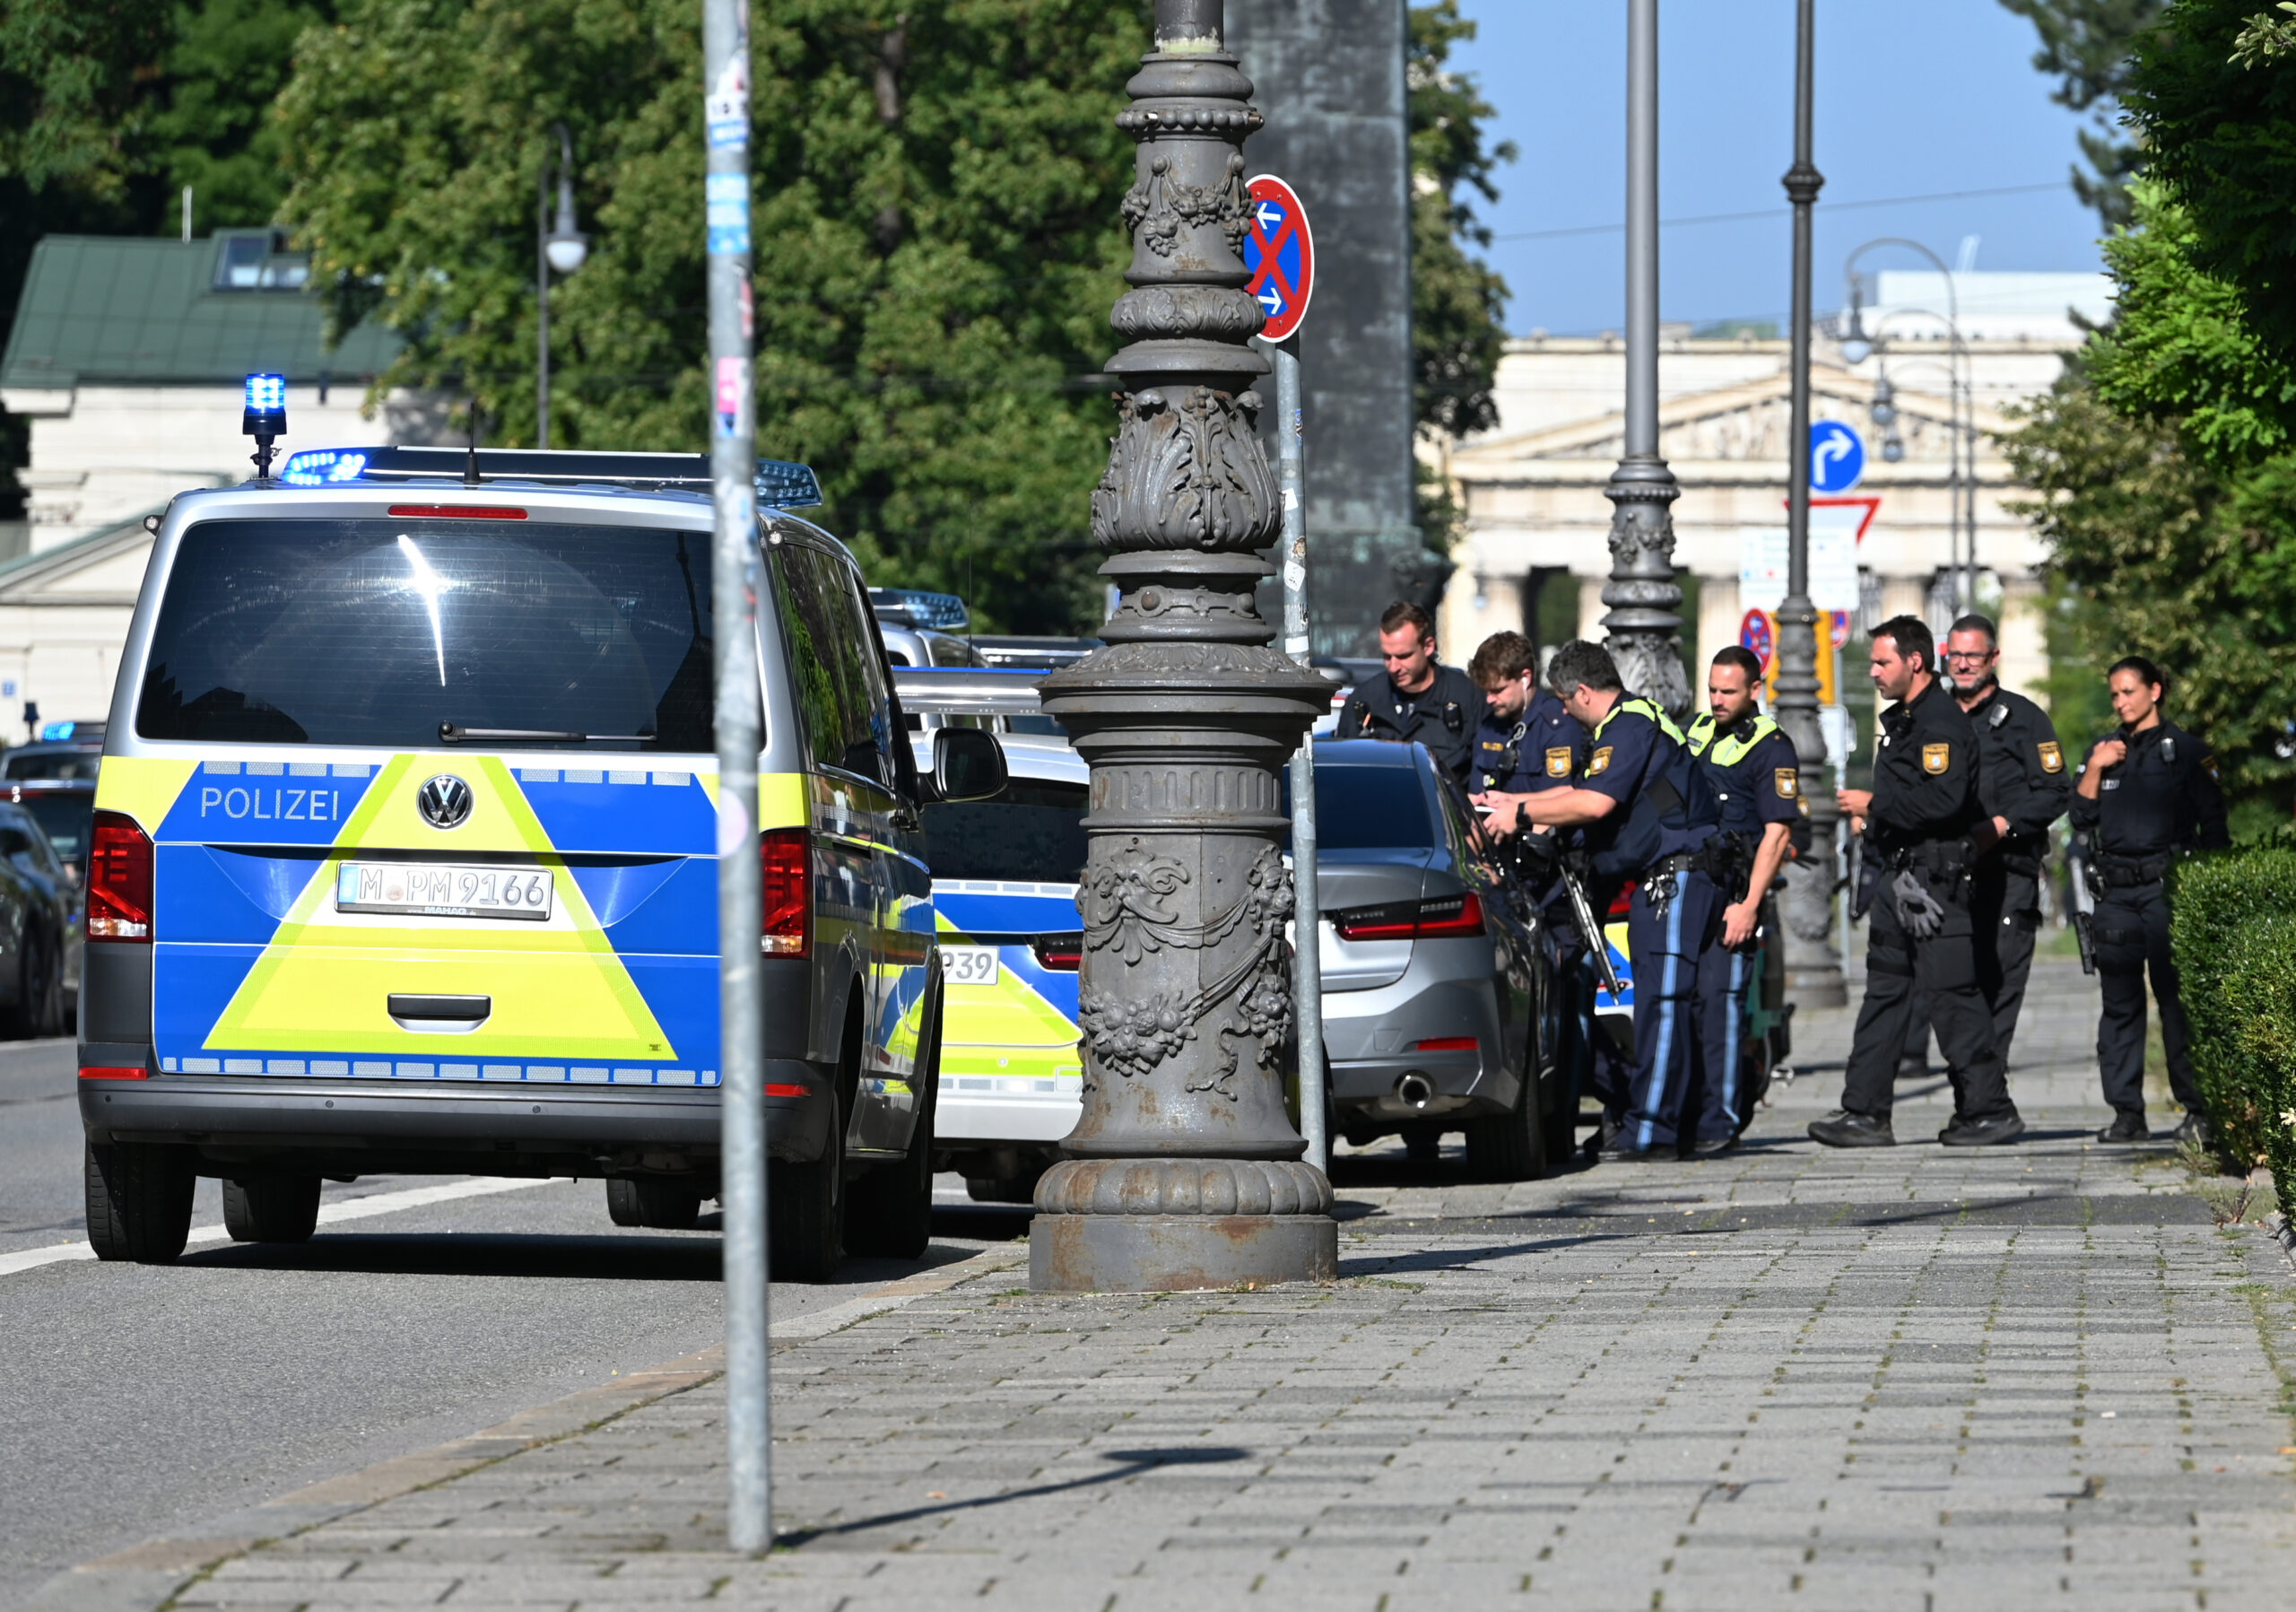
1836,457
1279,255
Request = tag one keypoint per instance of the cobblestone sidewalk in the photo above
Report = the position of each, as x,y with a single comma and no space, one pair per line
1911,1379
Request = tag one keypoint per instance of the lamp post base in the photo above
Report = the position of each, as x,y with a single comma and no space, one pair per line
1171,1224
1176,1253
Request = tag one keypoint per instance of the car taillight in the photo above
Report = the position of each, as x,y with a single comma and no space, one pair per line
1447,1043
786,857
1439,917
1622,900
119,880
1059,951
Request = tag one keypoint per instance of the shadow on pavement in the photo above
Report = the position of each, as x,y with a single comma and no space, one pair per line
637,1256
1130,1463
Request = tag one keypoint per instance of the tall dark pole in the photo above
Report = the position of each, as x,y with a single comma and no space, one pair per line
1642,629
1184,1170
1814,969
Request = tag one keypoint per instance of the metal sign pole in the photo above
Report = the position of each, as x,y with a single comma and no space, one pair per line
733,590
1307,930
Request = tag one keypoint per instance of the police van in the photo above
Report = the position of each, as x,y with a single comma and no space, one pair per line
404,857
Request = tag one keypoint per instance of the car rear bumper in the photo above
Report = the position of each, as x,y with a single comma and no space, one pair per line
393,1127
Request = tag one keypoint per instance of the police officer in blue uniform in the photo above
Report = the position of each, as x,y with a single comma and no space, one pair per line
1646,813
1758,779
1527,745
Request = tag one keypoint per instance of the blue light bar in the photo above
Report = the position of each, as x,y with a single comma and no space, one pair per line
784,485
319,467
55,732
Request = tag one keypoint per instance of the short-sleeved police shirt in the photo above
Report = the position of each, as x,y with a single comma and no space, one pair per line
1755,770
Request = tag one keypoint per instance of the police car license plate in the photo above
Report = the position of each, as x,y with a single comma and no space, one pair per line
969,965
435,890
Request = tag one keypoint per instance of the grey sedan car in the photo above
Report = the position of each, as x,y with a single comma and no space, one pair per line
1435,970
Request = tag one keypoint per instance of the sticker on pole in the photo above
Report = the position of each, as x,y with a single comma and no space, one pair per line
1836,457
1280,255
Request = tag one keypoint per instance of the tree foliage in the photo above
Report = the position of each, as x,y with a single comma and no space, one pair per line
1457,301
2221,122
937,230
2085,47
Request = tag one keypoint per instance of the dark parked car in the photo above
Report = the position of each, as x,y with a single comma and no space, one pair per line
62,750
66,810
40,929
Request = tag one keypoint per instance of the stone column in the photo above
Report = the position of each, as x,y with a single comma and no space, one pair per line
1185,1170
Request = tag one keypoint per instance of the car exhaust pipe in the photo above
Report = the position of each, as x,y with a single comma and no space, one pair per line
1415,1089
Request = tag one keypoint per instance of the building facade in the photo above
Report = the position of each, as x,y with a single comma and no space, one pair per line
1536,554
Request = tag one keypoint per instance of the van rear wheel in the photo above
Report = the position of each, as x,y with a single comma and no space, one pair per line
272,1208
805,1206
891,1211
139,1201
661,1203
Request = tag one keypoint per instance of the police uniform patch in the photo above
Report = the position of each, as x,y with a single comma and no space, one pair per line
1558,762
1937,758
1598,761
2052,758
1789,782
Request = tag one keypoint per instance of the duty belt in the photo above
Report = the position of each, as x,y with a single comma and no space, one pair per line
1658,878
2125,874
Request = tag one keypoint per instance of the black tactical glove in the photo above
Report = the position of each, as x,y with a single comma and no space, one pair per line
1918,909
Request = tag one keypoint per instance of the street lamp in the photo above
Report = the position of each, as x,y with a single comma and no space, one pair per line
1961,391
562,248
1642,631
1809,884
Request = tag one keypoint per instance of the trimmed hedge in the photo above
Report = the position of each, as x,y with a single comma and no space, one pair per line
2234,932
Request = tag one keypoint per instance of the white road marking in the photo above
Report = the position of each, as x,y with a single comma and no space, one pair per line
330,1214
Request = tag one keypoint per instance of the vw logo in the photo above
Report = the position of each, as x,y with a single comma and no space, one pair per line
445,801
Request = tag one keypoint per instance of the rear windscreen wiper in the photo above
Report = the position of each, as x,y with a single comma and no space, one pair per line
455,733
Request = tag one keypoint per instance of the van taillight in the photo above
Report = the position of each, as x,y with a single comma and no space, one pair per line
785,855
119,880
1062,952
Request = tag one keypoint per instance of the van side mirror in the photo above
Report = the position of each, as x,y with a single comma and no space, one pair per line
968,764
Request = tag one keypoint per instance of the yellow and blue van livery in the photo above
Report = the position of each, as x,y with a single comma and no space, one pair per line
406,847
263,967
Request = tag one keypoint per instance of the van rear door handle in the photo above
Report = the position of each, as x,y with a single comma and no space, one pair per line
439,1013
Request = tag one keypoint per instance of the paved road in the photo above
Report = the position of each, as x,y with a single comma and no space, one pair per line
138,1399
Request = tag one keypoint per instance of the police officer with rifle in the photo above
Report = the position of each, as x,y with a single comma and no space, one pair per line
1758,779
1528,744
1647,812
1923,821
2147,795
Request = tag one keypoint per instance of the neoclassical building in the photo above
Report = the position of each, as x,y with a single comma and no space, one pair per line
1536,548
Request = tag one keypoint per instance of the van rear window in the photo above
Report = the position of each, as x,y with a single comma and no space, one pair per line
400,633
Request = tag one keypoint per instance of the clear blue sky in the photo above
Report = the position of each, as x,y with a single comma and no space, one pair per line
1914,98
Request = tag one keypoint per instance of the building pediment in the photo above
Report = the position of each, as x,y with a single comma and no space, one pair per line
102,566
1745,421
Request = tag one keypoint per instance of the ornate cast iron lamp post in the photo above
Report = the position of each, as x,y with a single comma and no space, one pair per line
1817,980
1642,629
1185,1170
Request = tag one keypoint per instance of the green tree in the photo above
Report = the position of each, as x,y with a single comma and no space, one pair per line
1458,303
2085,46
938,242
2217,105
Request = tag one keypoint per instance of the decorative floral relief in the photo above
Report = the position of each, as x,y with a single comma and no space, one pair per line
1160,206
